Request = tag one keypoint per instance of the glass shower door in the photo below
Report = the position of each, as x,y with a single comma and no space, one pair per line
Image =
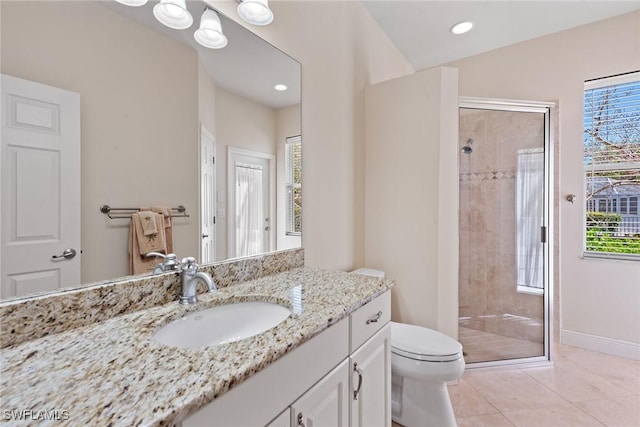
503,265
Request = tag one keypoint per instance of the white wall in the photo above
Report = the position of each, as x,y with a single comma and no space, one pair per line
206,99
234,130
341,50
411,194
134,153
598,298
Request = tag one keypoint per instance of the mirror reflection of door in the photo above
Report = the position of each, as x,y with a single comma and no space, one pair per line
251,197
40,171
207,196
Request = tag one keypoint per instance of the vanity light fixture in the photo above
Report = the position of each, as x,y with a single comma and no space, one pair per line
173,14
280,87
210,32
255,12
133,2
461,27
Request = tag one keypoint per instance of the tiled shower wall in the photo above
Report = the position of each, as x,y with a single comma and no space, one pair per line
487,290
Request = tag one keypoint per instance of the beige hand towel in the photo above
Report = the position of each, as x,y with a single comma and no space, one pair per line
140,245
148,221
165,211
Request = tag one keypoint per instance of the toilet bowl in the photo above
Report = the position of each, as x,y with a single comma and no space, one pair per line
422,362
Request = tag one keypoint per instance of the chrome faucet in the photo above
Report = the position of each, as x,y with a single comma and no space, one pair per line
170,262
190,279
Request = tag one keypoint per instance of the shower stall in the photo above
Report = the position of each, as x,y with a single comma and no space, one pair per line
504,222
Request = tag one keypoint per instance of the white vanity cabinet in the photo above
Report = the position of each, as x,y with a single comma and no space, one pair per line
371,402
342,377
370,358
326,403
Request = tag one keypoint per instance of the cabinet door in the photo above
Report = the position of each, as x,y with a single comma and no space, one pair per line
371,382
282,420
326,403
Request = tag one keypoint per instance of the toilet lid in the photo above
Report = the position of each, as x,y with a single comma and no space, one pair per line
418,343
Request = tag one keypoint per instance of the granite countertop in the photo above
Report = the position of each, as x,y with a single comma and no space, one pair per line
112,373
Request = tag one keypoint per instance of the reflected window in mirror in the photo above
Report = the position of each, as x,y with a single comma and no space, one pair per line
293,162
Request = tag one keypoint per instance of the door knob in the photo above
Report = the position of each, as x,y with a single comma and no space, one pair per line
204,236
67,254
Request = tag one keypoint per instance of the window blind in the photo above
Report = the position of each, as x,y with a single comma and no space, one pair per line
612,166
293,179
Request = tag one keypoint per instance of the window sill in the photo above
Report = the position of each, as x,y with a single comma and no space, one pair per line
529,290
611,256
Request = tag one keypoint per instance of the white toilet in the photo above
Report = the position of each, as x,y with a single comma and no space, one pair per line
422,362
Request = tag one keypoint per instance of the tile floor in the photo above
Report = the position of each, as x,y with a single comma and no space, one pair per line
583,388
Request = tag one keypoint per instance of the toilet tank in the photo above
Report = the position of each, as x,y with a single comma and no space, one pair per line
369,272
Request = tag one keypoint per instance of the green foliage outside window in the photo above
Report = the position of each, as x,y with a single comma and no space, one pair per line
601,229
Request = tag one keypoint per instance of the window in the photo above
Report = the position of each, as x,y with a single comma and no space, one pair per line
293,179
612,166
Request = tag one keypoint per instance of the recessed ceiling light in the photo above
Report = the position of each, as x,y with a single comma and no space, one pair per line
280,87
461,27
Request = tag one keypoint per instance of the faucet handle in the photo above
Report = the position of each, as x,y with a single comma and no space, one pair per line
188,263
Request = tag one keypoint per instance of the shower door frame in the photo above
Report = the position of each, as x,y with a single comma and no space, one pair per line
544,108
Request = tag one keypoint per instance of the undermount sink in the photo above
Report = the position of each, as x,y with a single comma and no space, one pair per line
222,324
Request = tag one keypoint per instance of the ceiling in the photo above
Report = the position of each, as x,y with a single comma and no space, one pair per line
233,67
420,28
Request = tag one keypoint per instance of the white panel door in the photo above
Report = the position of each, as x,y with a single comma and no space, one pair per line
207,195
250,226
326,404
40,191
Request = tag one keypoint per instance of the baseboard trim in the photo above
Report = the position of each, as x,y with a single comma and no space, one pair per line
601,344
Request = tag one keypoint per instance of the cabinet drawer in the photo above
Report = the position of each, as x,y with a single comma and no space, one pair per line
369,319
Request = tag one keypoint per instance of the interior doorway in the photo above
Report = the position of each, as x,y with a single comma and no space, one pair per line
40,169
251,190
207,196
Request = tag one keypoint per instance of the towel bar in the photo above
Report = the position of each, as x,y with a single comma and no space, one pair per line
120,213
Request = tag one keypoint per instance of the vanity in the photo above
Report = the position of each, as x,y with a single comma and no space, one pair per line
341,377
327,363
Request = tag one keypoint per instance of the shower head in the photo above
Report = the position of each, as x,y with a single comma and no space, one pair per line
467,148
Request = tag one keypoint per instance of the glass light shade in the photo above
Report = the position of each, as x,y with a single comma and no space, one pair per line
133,2
255,12
173,14
210,32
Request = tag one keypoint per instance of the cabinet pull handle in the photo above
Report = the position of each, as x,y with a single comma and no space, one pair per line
375,318
359,372
300,419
